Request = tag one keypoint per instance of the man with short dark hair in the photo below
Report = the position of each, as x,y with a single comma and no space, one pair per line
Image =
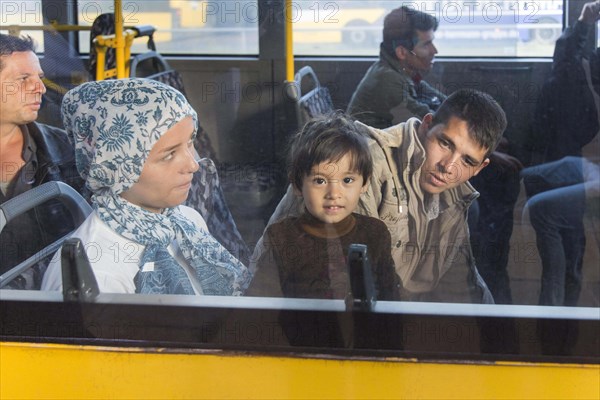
30,154
393,89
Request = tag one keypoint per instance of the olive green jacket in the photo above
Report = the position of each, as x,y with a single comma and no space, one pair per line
387,95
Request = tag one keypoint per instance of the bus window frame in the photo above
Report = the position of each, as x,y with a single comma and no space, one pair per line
426,331
43,317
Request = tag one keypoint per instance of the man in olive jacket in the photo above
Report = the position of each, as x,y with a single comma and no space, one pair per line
393,89
420,190
30,155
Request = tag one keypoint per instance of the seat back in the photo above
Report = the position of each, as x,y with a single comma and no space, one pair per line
73,201
152,65
314,102
102,64
104,24
206,196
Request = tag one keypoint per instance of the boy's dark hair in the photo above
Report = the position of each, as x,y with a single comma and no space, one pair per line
400,27
10,44
485,118
329,138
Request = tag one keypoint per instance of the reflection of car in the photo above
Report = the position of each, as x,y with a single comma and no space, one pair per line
545,24
356,24
188,14
335,24
155,13
215,14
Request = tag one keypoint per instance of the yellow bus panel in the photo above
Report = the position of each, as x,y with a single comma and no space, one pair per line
69,371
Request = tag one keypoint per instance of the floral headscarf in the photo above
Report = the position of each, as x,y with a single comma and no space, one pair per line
113,125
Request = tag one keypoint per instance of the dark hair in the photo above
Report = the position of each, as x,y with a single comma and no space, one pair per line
10,44
329,138
485,118
400,27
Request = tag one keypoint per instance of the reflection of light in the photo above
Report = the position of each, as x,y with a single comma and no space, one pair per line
500,34
459,34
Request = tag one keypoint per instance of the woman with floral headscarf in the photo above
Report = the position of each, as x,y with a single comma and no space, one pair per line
133,147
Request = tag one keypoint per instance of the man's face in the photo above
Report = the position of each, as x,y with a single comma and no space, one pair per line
421,57
21,88
453,157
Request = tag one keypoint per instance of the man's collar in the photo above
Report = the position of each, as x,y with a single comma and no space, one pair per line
395,63
29,145
417,78
25,178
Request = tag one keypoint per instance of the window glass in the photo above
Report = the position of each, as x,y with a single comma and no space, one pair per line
184,27
466,28
22,13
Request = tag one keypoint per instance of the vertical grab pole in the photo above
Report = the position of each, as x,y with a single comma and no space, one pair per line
289,42
119,40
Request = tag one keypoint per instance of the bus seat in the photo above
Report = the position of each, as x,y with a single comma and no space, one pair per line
316,101
152,65
206,197
104,24
73,201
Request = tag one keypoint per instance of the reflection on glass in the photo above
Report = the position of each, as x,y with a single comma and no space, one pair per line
22,13
182,26
466,28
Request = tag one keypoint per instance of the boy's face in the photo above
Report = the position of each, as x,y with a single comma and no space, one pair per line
331,190
453,157
167,174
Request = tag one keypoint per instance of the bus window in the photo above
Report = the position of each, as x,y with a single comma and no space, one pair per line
494,28
184,27
13,13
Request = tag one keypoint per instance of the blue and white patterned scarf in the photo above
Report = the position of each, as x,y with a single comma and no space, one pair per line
113,125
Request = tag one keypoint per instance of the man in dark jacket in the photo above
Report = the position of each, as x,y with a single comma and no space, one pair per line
566,186
30,155
565,118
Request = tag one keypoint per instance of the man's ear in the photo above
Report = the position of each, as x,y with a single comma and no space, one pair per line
425,125
401,52
484,164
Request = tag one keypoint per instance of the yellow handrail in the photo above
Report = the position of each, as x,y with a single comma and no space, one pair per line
119,41
102,44
289,42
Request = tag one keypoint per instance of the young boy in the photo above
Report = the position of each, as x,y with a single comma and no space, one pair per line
305,256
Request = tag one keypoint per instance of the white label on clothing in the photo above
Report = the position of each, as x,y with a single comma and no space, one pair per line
148,267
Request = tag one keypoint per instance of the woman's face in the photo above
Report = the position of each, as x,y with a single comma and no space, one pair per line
167,174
